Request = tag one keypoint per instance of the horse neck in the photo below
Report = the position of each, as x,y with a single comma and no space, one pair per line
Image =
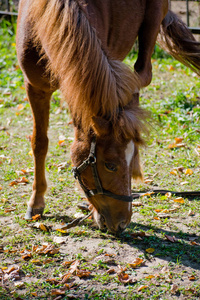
91,83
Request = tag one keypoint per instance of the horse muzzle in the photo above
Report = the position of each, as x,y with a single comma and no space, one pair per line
114,226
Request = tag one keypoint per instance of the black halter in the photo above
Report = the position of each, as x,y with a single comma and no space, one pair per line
91,161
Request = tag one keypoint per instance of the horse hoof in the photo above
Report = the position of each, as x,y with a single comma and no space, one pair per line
32,212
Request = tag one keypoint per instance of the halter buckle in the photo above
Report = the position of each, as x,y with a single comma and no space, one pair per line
92,159
75,172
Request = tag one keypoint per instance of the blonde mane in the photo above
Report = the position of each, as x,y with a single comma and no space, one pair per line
91,83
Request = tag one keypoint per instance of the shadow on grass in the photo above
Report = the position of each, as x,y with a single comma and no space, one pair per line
179,251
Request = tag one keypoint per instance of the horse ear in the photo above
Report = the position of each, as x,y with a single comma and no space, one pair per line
100,126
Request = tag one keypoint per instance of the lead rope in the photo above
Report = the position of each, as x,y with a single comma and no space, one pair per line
136,194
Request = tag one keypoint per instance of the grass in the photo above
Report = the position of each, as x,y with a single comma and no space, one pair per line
173,99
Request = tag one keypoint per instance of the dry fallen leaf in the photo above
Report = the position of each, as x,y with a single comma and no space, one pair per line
188,172
52,280
13,250
61,230
111,271
10,269
30,153
191,213
26,256
172,239
20,107
22,180
69,285
46,249
150,277
74,267
34,294
178,140
148,194
9,209
124,278
168,195
36,217
137,203
47,261
61,179
179,200
150,250
174,172
67,263
41,226
136,263
148,181
138,234
142,287
121,269
19,284
21,172
174,288
57,292
192,278
179,145
171,68
12,273
36,262
110,254
184,183
189,291
194,243
83,273
66,278
62,143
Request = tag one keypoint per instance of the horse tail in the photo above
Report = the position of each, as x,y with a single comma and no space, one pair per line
91,82
178,41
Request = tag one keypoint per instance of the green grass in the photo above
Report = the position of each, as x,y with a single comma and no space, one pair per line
174,103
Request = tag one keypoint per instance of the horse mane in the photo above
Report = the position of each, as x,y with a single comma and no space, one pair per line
92,83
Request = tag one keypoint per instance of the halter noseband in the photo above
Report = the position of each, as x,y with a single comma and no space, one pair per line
91,161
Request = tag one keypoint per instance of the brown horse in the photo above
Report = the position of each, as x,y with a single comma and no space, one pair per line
78,46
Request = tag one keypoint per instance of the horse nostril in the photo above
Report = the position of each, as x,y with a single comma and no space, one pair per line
122,226
118,228
102,220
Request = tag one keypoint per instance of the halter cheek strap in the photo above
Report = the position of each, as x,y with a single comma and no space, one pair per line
99,190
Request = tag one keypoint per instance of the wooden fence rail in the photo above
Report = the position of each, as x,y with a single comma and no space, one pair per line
8,7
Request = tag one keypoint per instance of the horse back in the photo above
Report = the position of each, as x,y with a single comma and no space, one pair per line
117,24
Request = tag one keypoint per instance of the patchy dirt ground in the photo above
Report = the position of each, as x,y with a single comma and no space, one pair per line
157,257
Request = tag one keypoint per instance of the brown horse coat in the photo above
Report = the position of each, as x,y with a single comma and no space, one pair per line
78,46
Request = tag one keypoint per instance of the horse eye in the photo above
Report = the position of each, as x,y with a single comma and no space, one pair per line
111,167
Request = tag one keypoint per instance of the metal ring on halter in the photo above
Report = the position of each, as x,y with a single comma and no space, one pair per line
99,190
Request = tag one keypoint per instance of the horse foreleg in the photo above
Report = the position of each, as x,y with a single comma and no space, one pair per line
40,102
154,14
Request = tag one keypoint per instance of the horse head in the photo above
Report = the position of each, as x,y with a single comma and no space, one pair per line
106,159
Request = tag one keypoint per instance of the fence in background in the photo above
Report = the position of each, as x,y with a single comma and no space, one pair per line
9,7
194,29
